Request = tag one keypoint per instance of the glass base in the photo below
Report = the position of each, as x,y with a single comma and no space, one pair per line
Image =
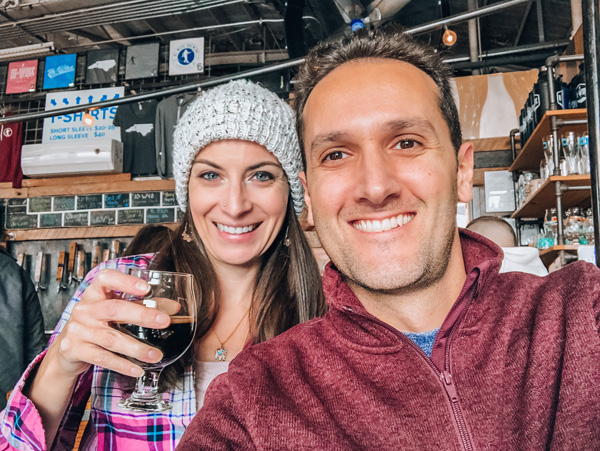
144,405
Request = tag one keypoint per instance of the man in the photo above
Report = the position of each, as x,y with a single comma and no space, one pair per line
514,358
516,258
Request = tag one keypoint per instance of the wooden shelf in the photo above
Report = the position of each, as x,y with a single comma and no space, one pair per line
549,255
70,187
71,233
532,153
490,144
544,197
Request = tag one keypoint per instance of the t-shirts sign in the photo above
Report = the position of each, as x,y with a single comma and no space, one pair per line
22,76
70,127
60,71
186,56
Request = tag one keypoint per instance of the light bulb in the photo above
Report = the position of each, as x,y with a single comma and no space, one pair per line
449,38
88,119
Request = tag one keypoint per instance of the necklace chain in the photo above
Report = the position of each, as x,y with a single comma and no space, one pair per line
221,353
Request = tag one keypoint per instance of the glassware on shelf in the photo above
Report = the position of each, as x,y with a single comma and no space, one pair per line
574,227
583,149
548,146
547,238
588,227
571,154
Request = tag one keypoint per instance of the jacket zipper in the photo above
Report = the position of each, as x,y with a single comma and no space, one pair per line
445,377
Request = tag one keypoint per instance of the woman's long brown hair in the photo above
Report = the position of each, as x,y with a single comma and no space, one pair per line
287,290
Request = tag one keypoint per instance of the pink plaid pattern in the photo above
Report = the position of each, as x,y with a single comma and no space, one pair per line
109,427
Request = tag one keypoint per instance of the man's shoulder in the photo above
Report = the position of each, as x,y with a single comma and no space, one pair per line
576,272
300,340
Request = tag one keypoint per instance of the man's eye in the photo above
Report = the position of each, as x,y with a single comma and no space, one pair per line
406,144
337,155
209,175
263,176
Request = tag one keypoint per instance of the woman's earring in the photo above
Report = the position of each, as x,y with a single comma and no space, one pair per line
185,235
286,239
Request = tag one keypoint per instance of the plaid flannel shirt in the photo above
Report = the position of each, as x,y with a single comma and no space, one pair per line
109,427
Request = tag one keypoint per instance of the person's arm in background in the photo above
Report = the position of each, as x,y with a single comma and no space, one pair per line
34,321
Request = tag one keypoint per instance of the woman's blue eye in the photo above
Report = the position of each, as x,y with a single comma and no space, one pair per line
209,175
263,176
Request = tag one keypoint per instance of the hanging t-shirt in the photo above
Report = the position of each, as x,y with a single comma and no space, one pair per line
11,139
136,120
168,113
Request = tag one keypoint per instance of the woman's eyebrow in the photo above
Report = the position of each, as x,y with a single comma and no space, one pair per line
208,163
263,163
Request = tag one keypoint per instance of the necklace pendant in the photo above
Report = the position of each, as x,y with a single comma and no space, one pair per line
221,354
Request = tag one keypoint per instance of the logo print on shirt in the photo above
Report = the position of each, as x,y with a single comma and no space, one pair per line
142,129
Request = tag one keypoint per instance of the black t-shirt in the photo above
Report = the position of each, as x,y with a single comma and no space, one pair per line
136,120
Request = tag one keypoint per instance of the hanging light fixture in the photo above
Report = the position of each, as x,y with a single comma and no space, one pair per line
449,37
88,119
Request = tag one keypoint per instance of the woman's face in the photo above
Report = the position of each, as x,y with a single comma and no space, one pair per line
238,196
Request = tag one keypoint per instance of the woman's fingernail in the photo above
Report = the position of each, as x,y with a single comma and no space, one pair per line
142,286
136,372
154,355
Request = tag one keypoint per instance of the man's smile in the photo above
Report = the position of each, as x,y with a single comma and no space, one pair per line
375,225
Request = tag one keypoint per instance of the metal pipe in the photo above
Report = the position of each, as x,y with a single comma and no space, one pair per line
514,50
540,21
502,61
563,122
153,95
205,28
462,17
560,232
80,21
513,143
591,36
473,45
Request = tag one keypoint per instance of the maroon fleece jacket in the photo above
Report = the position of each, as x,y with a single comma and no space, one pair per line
515,366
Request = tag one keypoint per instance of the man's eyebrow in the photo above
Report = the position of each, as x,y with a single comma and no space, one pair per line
328,138
404,124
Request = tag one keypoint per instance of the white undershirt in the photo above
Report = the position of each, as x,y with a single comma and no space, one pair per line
205,372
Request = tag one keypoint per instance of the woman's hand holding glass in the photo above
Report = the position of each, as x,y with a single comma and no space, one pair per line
88,338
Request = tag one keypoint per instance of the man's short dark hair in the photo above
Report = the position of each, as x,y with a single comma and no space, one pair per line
387,42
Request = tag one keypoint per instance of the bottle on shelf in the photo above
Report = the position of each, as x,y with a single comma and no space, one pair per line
577,89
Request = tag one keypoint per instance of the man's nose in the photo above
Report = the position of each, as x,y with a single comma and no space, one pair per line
377,179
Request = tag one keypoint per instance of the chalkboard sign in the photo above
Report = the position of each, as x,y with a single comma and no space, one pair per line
169,199
147,199
131,216
64,203
21,221
16,209
51,220
155,215
103,217
16,201
78,219
38,204
116,200
91,202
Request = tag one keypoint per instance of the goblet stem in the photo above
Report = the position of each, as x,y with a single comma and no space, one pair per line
146,397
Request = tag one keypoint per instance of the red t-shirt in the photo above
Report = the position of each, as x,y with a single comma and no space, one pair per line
11,138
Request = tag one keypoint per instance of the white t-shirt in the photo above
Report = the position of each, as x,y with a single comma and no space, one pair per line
205,372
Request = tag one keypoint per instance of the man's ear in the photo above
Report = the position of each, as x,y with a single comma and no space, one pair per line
464,177
309,217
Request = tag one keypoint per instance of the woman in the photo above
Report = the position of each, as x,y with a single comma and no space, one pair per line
236,163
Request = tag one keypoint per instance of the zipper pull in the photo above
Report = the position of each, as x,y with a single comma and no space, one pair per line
446,378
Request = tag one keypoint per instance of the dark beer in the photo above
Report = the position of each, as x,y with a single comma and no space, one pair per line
172,341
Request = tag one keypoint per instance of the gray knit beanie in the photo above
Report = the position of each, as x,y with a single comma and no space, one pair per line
237,110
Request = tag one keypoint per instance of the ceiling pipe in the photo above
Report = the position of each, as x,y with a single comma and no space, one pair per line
188,30
462,17
158,10
473,44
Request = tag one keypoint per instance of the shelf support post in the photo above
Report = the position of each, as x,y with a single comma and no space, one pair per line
591,30
560,233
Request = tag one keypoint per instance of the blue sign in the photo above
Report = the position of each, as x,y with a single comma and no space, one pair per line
186,56
60,71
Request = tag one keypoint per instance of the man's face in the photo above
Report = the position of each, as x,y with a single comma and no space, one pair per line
382,179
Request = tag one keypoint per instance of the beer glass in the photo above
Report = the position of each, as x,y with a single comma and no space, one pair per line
172,293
